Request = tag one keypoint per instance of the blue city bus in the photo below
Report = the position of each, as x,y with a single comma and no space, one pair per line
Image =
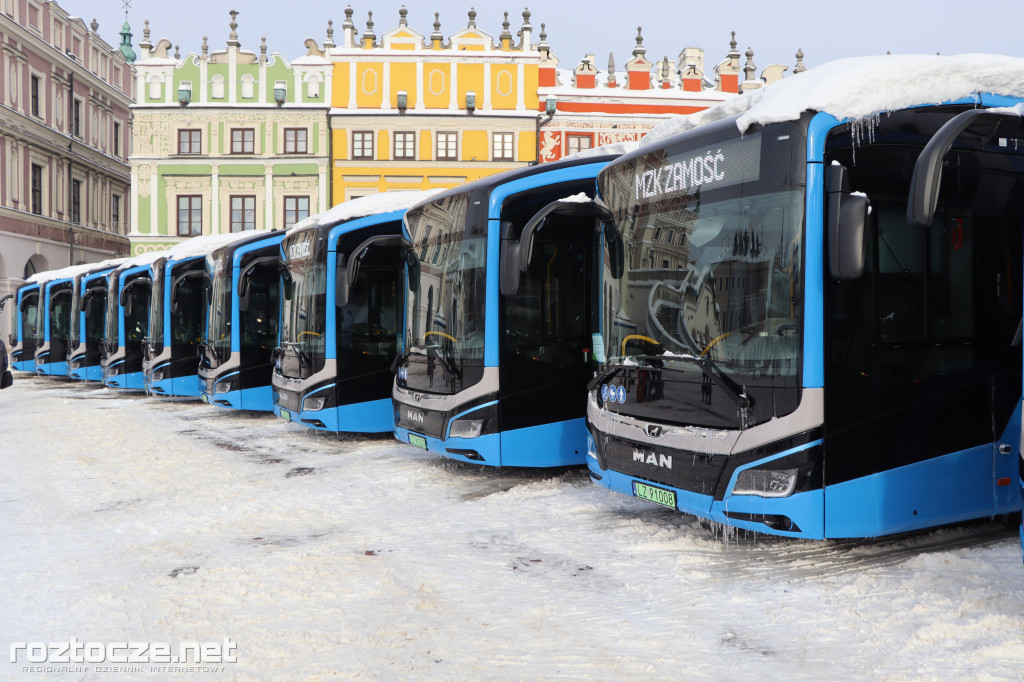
797,343
53,326
24,318
340,315
499,317
170,349
126,323
88,311
239,335
177,310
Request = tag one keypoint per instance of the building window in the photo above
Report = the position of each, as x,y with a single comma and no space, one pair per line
362,144
578,143
405,145
190,215
502,148
294,140
76,118
243,140
295,209
37,189
115,213
243,213
117,139
190,141
76,202
35,95
447,146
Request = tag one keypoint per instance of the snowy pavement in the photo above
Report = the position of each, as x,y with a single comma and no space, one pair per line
126,518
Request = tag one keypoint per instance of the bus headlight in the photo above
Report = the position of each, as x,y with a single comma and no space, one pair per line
226,386
466,428
158,375
766,482
314,403
113,371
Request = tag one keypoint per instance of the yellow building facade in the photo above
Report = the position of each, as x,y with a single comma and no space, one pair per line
412,112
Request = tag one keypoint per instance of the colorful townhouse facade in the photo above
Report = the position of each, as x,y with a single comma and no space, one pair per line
235,139
412,111
227,140
65,137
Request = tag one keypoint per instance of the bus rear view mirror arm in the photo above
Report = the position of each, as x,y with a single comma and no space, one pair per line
927,177
515,255
347,272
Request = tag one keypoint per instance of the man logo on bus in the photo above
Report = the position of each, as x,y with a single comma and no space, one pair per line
663,461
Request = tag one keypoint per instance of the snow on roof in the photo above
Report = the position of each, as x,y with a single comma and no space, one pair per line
615,148
207,243
861,87
373,204
72,270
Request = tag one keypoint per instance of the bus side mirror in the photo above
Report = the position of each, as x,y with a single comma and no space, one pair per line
341,280
847,225
616,250
286,279
413,266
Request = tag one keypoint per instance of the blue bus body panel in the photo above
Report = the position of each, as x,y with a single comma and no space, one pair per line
917,496
24,365
487,448
53,369
90,373
184,387
555,444
257,399
131,382
372,416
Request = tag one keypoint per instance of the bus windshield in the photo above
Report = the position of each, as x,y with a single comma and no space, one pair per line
110,336
711,231
304,311
156,307
218,309
444,319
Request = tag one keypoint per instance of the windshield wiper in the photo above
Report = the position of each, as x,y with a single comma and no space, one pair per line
607,374
399,359
737,393
713,372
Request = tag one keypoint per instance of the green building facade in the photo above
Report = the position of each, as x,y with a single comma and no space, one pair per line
227,141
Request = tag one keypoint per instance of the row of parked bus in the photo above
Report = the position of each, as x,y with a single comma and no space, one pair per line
806,325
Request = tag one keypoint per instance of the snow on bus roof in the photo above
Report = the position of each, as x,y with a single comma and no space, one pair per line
373,204
72,271
207,243
861,87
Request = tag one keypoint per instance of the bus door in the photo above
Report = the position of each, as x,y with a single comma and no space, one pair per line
549,316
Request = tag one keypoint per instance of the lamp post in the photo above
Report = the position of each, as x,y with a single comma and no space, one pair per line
550,105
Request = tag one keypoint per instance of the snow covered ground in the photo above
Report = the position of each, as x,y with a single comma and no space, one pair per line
126,518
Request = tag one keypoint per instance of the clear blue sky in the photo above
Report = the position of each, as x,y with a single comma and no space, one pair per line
864,27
